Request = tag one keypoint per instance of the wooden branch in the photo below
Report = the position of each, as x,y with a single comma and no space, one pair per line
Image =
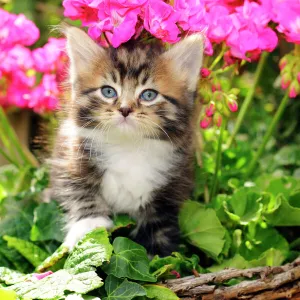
268,283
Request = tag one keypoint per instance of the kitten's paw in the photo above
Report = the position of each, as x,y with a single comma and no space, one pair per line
82,227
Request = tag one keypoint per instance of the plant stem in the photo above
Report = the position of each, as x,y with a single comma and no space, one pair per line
248,99
218,58
268,134
8,158
218,161
11,135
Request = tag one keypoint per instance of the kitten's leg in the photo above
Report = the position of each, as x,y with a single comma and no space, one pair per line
85,209
158,231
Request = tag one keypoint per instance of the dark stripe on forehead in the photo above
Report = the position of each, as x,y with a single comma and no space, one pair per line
172,100
113,76
135,72
88,91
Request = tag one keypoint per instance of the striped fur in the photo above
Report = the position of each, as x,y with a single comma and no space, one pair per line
104,163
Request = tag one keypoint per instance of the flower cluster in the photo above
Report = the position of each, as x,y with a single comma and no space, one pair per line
215,101
19,65
241,25
290,73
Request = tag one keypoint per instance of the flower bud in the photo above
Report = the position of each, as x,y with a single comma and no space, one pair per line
217,119
298,77
286,80
232,104
210,109
294,89
205,72
282,63
234,91
205,122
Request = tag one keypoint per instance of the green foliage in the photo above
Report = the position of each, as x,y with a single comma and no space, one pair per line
120,289
90,252
202,228
129,260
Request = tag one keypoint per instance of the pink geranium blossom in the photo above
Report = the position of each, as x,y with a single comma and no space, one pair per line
160,20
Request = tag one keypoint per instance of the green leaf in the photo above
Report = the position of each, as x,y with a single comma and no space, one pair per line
288,155
271,257
47,223
119,289
285,214
160,266
54,285
90,252
202,228
52,260
261,240
18,218
7,295
9,276
158,292
244,206
34,254
122,221
15,258
129,260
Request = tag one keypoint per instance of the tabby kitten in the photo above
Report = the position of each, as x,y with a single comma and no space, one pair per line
126,145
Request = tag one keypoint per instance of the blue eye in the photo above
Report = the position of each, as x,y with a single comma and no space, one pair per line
148,95
108,92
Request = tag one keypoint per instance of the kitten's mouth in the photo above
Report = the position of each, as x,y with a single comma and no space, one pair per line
125,122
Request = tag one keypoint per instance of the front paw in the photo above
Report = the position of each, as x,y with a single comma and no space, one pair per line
80,228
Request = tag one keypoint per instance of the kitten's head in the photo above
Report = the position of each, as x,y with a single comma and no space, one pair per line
137,90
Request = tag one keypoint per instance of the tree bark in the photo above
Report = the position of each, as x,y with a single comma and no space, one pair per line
267,283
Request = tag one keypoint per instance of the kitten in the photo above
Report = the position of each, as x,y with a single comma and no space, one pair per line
126,145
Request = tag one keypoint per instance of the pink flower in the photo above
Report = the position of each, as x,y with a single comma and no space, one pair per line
84,10
160,20
16,29
287,15
48,58
220,24
191,15
45,96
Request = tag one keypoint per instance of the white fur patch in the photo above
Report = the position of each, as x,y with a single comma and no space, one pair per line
80,228
134,167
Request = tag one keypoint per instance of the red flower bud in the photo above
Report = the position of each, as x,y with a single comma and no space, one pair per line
205,72
205,122
294,89
210,109
286,80
232,105
282,63
217,119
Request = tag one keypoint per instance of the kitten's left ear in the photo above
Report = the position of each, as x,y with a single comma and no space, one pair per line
187,56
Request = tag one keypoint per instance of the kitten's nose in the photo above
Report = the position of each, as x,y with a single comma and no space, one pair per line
125,111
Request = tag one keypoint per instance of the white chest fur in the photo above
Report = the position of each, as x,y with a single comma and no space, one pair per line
133,171
133,168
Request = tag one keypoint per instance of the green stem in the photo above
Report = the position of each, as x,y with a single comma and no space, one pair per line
218,58
268,134
8,158
249,98
10,133
218,161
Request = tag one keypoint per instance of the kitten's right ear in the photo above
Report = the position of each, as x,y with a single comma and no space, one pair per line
81,49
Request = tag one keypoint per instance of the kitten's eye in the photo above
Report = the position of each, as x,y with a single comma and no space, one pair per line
108,92
148,95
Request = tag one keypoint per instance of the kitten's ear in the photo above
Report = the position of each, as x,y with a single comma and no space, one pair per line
187,56
82,50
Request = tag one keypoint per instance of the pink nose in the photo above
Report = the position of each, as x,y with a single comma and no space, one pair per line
125,111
